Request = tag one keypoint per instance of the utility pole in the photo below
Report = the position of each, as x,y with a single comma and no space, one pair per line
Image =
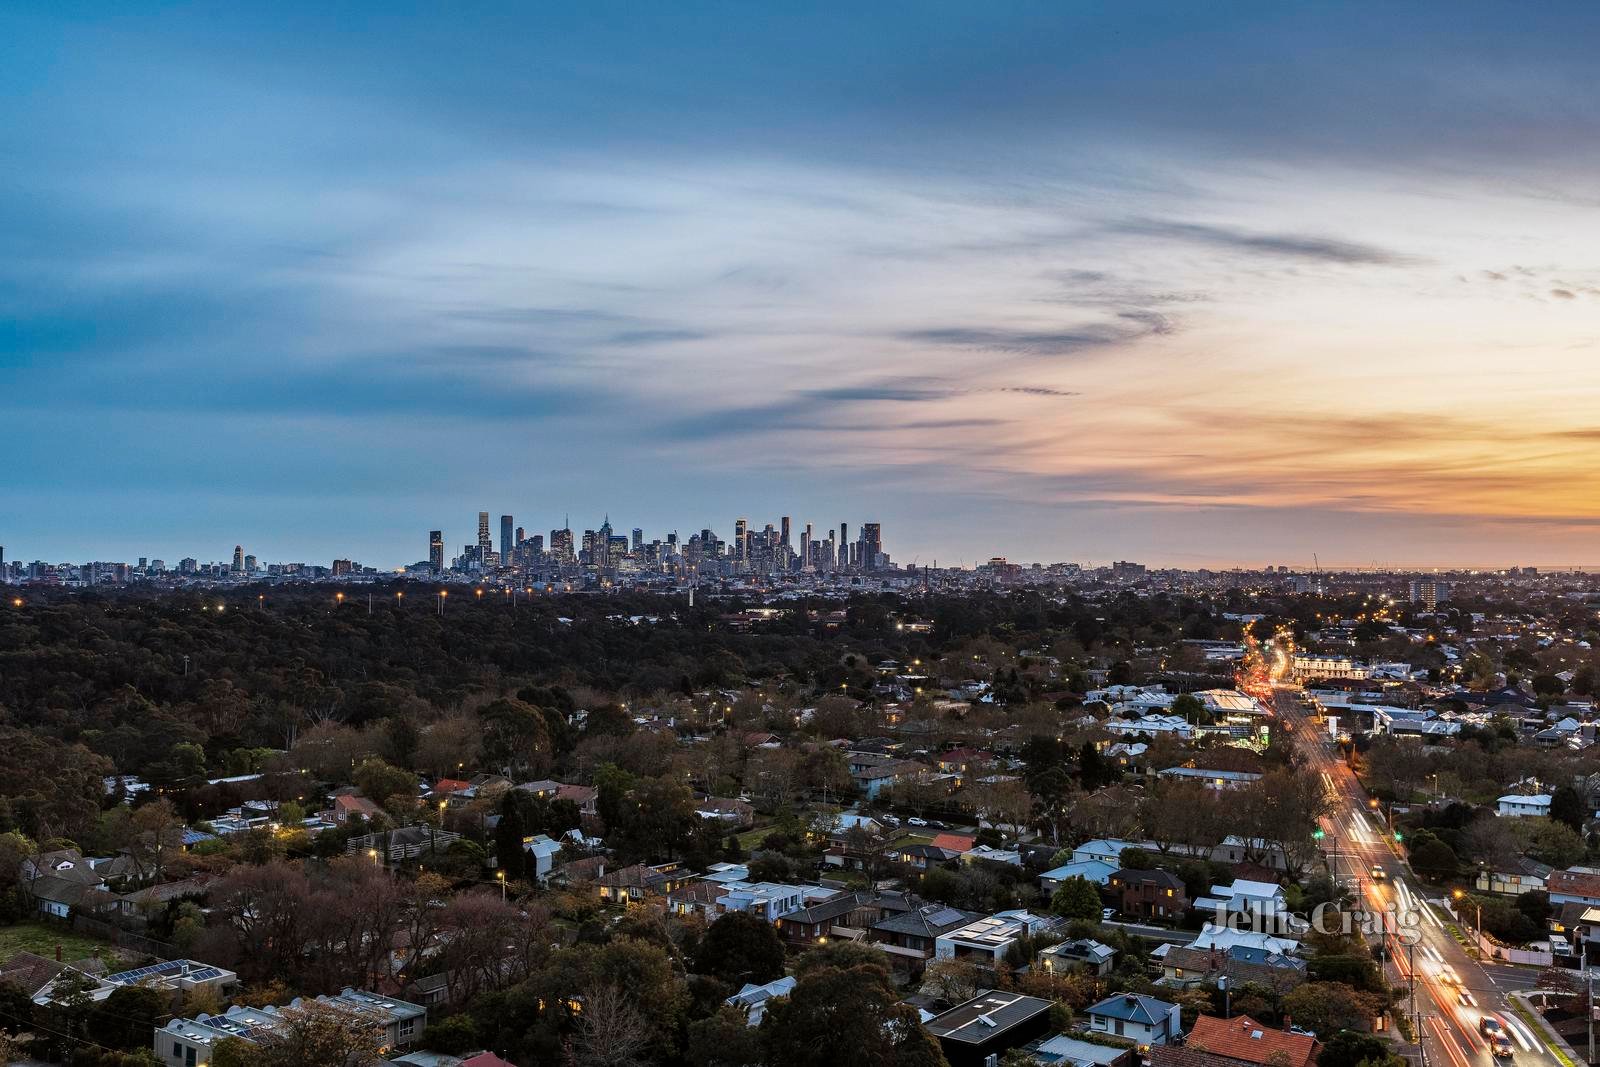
1411,967
1588,985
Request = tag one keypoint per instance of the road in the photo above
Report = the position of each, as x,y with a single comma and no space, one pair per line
1453,993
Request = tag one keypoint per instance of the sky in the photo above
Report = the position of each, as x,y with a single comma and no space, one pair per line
1187,284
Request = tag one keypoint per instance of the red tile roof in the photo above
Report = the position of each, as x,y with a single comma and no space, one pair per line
1242,1038
954,842
1573,884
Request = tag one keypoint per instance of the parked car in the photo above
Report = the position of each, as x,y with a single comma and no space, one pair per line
914,821
1107,914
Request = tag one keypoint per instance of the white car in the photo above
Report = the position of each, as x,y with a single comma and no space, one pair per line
1107,914
914,821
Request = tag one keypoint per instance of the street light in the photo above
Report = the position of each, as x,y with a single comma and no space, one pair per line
338,597
1461,894
374,854
501,875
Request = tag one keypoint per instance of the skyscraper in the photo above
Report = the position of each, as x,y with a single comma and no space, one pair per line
741,539
783,531
238,559
871,546
506,542
436,550
485,544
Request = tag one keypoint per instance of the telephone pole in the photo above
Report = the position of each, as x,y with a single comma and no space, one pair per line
1411,967
1588,987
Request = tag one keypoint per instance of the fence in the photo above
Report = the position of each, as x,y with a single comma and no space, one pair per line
149,946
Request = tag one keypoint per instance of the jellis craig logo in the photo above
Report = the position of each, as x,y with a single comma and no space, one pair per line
1403,924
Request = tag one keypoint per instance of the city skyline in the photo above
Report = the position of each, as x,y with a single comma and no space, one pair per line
1198,287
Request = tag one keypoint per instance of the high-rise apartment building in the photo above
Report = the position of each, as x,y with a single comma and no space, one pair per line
741,539
238,559
436,550
485,544
1429,592
506,541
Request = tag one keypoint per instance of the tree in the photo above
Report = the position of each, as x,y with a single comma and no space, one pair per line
318,1034
724,1039
1435,860
1566,807
127,1017
1326,1007
856,1009
1076,898
739,947
379,781
612,1032
1192,708
515,738
1350,1049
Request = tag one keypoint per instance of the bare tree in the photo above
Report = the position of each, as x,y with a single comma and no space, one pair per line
611,1031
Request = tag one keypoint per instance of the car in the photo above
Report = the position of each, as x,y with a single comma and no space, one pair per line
1499,1041
1378,874
1107,914
914,821
1464,998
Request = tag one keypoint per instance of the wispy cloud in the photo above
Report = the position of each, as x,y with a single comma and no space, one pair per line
1277,245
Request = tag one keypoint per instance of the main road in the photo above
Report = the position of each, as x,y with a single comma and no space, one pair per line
1453,993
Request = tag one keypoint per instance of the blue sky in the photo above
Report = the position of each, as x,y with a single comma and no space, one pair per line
1183,283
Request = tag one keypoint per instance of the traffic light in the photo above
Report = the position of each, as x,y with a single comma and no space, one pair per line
1318,834
1398,836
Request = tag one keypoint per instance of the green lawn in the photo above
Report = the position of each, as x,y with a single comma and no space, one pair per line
42,939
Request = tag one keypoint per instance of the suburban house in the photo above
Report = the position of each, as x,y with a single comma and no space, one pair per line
914,933
1149,894
544,851
989,937
640,882
989,1025
753,998
1523,874
1064,1050
766,900
1243,1040
190,1042
1142,1019
730,811
814,923
1096,871
1183,968
1575,885
349,804
1083,956
1522,807
1263,900
1209,778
